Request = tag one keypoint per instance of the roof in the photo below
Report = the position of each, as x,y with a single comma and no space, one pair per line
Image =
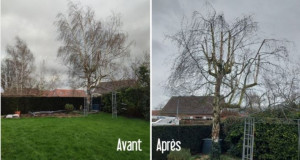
155,112
189,105
65,93
27,92
107,87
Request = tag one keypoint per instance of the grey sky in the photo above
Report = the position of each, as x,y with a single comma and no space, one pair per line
32,21
277,19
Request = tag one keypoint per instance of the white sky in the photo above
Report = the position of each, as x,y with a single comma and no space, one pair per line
32,21
277,19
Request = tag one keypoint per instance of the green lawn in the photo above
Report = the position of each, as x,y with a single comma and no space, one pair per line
206,157
92,137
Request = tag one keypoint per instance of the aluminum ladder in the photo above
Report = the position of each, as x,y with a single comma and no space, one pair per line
248,142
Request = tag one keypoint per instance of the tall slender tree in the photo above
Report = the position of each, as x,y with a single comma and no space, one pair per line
90,48
223,60
17,67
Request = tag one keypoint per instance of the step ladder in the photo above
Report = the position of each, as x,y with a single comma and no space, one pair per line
248,142
114,110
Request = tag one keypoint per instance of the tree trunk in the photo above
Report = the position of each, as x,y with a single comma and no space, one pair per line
89,95
216,150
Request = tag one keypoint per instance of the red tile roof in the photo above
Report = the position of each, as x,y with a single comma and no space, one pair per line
40,93
65,93
25,92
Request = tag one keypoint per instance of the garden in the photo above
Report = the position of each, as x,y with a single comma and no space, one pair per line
92,137
275,138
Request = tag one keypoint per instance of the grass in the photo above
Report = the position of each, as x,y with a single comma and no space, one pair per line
206,157
92,137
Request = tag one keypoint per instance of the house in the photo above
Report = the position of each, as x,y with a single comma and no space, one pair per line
108,87
189,107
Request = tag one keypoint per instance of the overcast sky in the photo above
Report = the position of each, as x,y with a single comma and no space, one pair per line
32,21
277,19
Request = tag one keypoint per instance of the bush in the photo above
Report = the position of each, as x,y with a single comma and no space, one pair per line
69,107
215,151
272,141
131,102
183,154
234,134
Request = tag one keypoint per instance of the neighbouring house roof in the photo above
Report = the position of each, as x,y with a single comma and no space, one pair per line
107,87
65,93
155,112
26,92
189,105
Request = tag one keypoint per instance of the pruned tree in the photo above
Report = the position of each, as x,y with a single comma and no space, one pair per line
90,47
17,67
223,60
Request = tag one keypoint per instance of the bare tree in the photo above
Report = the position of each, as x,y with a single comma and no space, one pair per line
41,76
90,47
282,90
47,78
54,80
253,100
222,59
17,67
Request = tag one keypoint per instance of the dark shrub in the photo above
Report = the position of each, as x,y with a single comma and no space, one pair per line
183,154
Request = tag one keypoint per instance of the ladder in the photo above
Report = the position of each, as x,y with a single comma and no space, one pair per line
248,139
298,139
114,110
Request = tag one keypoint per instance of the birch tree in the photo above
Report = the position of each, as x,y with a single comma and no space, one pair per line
222,59
90,48
17,67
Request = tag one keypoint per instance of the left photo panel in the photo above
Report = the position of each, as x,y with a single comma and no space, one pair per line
75,79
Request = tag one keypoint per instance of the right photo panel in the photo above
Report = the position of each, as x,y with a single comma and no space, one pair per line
225,80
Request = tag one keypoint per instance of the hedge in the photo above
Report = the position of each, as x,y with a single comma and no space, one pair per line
190,137
272,140
131,102
25,104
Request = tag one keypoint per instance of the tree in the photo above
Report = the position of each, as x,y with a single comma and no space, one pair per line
90,47
47,79
223,60
143,74
17,67
41,80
